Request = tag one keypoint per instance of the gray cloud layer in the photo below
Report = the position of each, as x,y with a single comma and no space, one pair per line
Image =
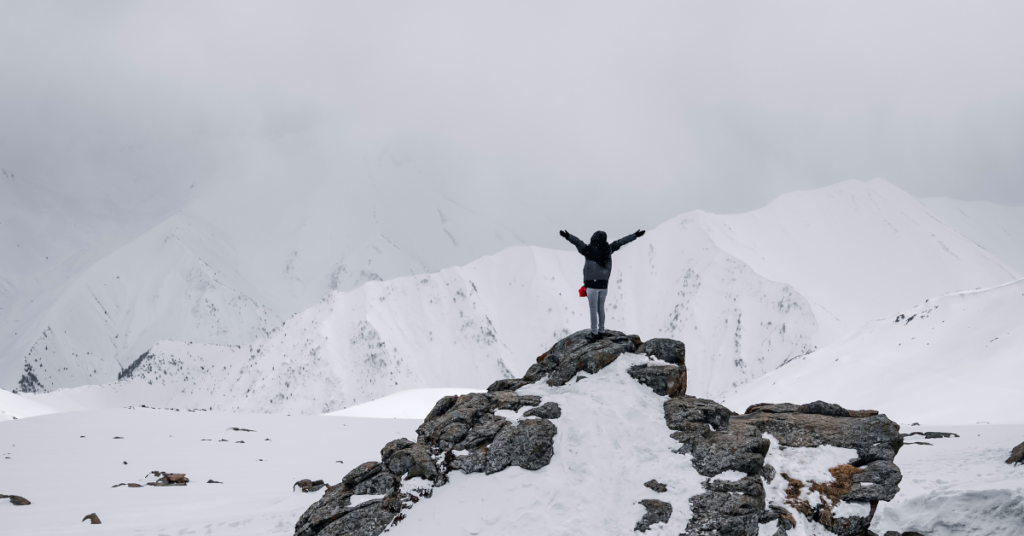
597,114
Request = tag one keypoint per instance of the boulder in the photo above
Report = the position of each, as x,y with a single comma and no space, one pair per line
874,438
548,410
528,444
576,352
360,473
16,500
1016,455
663,379
667,350
403,457
657,512
168,479
93,519
507,385
656,486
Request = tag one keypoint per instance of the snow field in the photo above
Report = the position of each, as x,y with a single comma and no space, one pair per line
958,486
611,439
66,477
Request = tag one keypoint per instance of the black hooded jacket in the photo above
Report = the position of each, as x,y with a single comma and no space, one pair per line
598,268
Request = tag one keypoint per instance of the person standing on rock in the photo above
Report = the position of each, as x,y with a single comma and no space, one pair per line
597,270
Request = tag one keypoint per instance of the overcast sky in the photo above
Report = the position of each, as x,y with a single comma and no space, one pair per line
586,111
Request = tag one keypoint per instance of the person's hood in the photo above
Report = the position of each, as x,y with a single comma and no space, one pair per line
600,237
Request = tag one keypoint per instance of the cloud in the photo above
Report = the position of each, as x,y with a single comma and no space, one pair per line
598,114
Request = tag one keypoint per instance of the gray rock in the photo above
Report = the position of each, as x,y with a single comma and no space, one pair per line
874,438
939,435
663,379
367,519
1016,455
733,450
575,353
772,408
381,484
528,444
718,513
507,385
668,350
656,486
657,512
549,410
877,481
474,462
511,401
484,431
331,507
692,410
824,408
402,456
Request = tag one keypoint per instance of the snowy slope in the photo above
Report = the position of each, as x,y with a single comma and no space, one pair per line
856,250
853,251
997,228
955,359
14,406
237,258
465,327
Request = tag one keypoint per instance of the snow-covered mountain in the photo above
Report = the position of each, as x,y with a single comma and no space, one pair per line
462,327
955,359
997,228
231,262
857,251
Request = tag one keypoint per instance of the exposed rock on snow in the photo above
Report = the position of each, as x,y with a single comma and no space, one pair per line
574,353
657,512
667,350
547,410
1016,455
306,485
656,486
93,519
168,479
775,468
16,500
667,380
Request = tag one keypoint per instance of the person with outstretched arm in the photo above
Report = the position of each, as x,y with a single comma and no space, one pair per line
597,270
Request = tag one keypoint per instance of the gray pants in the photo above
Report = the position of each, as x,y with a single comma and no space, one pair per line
596,298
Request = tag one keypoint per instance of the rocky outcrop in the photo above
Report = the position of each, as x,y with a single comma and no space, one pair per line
667,380
575,353
469,433
460,433
1016,455
93,519
668,350
721,441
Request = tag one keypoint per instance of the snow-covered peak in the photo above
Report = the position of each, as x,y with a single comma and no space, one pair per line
954,359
